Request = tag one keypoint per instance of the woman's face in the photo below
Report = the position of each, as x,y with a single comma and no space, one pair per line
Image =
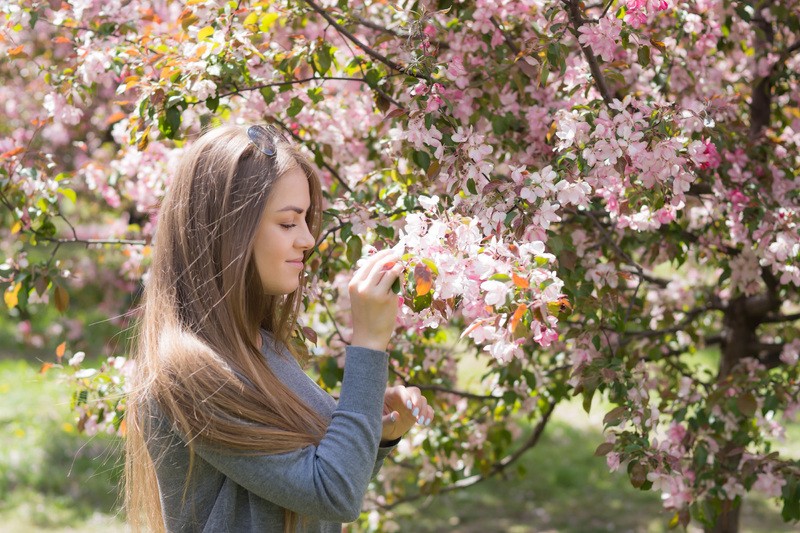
283,236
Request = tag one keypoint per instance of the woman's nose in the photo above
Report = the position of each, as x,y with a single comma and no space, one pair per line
306,240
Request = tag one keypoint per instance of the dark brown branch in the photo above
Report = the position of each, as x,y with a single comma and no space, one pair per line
780,318
513,47
576,20
761,98
369,51
713,305
769,354
325,164
639,271
373,26
439,388
498,467
605,11
784,57
290,82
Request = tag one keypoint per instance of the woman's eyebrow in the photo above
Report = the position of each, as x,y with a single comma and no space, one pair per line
297,210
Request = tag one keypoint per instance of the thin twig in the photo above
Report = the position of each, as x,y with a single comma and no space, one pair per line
329,168
497,468
576,19
369,51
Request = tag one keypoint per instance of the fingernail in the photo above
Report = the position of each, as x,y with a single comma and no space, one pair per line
427,421
421,420
393,417
408,404
415,412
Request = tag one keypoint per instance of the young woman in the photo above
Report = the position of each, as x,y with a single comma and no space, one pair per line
226,432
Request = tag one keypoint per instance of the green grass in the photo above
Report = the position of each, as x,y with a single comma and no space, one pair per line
566,489
51,478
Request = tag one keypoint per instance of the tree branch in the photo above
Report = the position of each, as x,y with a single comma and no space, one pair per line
576,19
780,318
761,98
639,271
369,51
327,167
498,467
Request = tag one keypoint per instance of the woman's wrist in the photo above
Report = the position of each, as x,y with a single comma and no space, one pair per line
369,343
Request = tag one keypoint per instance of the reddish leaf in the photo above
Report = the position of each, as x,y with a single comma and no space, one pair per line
12,152
424,279
638,475
604,449
116,117
310,334
60,350
45,367
518,314
62,298
520,282
615,414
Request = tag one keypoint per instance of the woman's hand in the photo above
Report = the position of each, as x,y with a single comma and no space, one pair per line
372,302
407,406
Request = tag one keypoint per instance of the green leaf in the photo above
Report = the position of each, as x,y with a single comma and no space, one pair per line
543,75
422,159
212,103
500,124
330,372
170,122
205,33
644,55
295,106
315,94
69,193
268,94
354,246
553,53
422,302
321,59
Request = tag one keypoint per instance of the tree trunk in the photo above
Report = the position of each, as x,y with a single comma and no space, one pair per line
739,336
728,521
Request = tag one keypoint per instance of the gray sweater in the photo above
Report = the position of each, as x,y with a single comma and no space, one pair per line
326,483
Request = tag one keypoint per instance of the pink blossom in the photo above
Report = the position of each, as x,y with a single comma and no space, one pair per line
612,460
496,292
602,37
791,353
770,484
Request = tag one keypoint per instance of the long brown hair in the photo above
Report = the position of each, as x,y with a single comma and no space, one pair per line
195,349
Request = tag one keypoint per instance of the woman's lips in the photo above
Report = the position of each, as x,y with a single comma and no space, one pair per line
298,264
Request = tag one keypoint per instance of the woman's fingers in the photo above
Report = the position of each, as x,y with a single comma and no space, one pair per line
367,263
379,272
417,405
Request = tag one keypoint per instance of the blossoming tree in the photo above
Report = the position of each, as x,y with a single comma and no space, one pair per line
587,193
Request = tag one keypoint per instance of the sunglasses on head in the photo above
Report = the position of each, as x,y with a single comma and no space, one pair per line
265,138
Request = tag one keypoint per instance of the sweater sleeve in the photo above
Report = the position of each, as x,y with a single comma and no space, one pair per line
327,481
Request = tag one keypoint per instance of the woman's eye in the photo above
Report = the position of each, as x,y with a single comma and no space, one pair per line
288,226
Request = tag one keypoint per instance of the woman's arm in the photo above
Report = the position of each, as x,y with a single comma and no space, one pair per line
327,481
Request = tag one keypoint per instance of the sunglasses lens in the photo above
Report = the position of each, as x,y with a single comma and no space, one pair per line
263,139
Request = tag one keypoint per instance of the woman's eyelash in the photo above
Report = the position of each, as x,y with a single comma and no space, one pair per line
288,226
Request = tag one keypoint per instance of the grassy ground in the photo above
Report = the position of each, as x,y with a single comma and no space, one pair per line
52,479
565,489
